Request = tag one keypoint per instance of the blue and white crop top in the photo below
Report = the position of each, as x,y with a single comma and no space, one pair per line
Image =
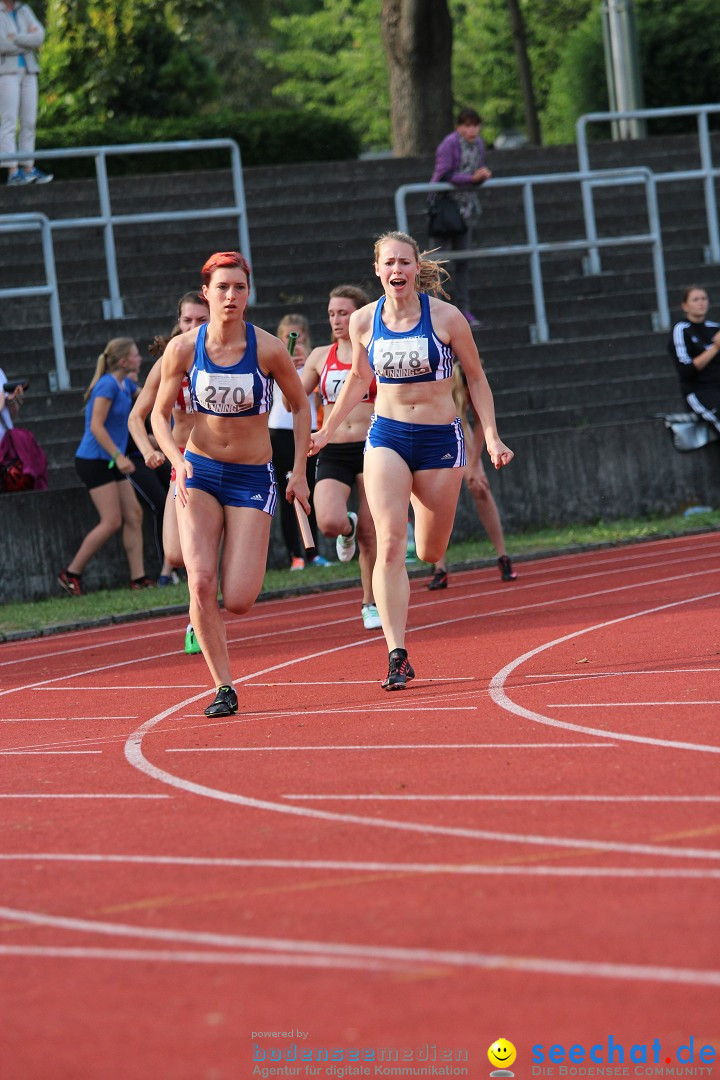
239,390
415,355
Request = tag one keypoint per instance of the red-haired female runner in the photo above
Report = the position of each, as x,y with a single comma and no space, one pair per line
415,450
225,481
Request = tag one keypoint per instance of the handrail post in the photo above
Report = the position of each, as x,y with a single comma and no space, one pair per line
239,192
662,316
591,264
113,307
712,251
400,210
541,332
61,370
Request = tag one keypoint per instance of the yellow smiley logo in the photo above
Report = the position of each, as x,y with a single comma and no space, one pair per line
502,1053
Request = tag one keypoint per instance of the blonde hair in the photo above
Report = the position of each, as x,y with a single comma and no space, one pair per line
294,321
109,359
431,274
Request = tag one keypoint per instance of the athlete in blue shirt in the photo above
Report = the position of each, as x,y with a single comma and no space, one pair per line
225,481
415,448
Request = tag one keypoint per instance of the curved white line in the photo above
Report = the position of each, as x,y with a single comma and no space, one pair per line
311,950
500,697
135,756
343,866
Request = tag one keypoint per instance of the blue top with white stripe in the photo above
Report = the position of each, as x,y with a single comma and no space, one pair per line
416,355
238,390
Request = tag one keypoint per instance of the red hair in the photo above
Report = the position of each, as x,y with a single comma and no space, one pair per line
224,258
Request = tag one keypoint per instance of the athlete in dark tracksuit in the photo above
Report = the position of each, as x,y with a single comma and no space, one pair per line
695,347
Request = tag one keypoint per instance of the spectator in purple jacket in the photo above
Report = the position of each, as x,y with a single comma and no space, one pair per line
460,160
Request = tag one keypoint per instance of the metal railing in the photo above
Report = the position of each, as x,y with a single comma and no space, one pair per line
707,172
21,223
535,248
113,307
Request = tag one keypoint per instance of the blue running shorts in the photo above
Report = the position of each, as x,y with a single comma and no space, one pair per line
421,446
234,485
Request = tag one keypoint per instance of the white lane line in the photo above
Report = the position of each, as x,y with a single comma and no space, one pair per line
264,611
501,697
352,952
352,682
30,753
622,674
135,757
391,746
79,795
471,869
626,704
519,798
513,610
365,710
130,686
59,719
268,609
183,956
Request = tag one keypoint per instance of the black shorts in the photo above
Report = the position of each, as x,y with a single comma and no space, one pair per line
341,461
94,472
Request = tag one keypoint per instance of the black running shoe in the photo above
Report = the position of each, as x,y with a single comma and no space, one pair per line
399,671
505,566
225,703
439,580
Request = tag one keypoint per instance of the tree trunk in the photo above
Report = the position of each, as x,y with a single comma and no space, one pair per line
417,36
517,26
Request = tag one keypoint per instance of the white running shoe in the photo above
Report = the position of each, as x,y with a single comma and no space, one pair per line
345,545
371,617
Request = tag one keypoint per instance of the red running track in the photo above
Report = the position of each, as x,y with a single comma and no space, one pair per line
524,844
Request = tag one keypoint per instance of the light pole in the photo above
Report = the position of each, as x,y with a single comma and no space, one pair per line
622,65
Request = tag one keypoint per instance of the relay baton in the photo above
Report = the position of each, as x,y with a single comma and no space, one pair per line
303,524
302,518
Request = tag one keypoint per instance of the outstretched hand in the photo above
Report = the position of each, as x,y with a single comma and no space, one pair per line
318,440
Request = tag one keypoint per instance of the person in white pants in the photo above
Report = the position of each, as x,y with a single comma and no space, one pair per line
20,35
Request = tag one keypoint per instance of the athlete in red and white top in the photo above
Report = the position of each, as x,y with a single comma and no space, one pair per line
340,463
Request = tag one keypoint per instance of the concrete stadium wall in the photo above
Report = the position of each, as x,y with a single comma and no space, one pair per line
558,478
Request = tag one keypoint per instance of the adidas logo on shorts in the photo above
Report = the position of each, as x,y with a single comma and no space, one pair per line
257,497
447,457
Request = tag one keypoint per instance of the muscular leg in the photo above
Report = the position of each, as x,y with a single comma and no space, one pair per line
244,557
367,543
106,501
434,498
201,524
488,513
388,482
171,533
331,499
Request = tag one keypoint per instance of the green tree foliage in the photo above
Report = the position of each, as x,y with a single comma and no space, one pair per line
128,58
332,60
676,61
